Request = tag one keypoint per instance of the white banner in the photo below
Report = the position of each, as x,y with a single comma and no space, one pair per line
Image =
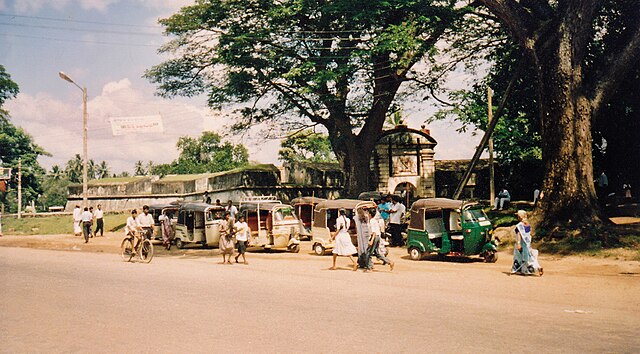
133,125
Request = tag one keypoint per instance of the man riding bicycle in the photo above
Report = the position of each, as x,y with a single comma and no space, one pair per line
145,222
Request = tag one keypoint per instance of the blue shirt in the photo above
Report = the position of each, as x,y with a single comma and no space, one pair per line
384,210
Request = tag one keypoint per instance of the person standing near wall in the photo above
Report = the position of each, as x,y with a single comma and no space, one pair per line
86,217
77,220
395,222
99,216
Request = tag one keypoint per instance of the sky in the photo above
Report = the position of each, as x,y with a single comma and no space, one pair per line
106,45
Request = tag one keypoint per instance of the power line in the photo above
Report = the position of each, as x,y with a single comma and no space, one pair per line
79,21
78,40
128,33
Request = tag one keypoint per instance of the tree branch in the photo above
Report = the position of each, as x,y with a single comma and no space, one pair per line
618,65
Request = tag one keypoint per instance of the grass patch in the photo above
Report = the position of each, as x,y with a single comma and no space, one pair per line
54,224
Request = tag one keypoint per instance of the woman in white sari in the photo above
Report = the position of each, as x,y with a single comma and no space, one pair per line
525,258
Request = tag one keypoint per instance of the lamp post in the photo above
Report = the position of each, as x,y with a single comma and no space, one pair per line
84,135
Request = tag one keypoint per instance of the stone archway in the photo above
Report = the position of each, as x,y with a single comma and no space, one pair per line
407,191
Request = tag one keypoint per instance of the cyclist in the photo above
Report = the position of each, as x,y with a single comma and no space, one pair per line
145,222
130,229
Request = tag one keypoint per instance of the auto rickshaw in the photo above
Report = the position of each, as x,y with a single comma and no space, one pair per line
198,223
304,211
273,225
450,227
324,222
158,209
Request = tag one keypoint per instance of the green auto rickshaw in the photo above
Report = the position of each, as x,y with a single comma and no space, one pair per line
450,227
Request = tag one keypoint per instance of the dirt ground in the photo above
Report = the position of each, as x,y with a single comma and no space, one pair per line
110,243
84,298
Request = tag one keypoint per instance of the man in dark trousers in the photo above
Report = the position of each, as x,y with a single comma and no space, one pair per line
395,222
99,215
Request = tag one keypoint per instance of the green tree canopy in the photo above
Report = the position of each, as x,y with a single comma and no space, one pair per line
17,145
294,64
208,153
307,146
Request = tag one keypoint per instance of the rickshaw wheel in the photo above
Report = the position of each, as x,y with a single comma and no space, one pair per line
491,257
294,248
179,244
318,249
415,254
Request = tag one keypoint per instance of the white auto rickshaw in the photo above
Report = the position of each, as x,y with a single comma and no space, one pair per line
304,207
158,209
198,223
324,222
273,225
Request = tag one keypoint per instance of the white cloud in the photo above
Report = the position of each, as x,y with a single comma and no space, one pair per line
57,125
24,6
3,5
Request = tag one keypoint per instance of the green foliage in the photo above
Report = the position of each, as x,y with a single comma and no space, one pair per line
293,64
15,145
207,153
54,224
306,146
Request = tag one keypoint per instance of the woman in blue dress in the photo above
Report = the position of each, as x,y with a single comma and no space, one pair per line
525,258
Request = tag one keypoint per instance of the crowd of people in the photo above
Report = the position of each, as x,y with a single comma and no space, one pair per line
84,219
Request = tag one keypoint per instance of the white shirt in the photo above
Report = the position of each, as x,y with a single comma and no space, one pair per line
343,223
242,231
376,225
396,218
232,210
98,213
145,220
86,216
132,224
77,212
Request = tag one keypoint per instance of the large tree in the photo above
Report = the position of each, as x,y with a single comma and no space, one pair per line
17,148
298,63
572,90
207,153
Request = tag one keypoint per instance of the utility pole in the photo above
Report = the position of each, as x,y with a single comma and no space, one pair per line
19,187
492,185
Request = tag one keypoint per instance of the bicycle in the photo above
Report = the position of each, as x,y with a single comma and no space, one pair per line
144,250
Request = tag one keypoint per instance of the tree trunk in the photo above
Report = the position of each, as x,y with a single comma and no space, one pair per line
566,113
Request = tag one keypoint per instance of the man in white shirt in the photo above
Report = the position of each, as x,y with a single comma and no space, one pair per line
395,222
77,219
145,222
86,217
98,215
231,209
242,237
132,225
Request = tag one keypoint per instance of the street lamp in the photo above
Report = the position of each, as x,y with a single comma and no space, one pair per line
84,136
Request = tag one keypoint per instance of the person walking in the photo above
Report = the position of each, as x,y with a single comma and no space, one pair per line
77,220
226,239
86,218
167,230
206,198
343,246
525,258
364,233
93,218
98,215
232,210
374,249
242,238
395,222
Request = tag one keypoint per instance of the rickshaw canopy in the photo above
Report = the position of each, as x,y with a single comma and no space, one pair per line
201,207
307,200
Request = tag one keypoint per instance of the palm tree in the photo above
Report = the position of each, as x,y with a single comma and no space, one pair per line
138,170
56,173
102,170
74,169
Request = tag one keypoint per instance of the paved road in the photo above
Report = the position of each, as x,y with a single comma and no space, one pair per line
60,301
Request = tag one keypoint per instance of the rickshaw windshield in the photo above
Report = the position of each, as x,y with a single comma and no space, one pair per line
284,214
215,215
474,215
